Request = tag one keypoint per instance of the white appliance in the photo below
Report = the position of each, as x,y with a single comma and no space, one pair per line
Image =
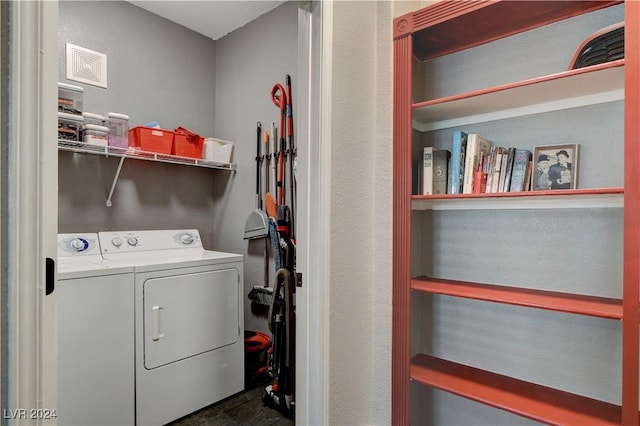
95,336
189,322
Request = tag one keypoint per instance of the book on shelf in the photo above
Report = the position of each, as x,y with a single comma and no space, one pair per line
527,176
427,170
449,175
458,151
440,164
416,177
521,158
508,168
478,147
492,185
489,168
503,168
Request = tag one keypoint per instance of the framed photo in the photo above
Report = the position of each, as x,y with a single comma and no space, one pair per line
556,167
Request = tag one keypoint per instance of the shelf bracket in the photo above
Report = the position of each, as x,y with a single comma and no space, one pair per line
115,181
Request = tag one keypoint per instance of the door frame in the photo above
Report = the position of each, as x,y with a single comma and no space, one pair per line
312,213
32,211
32,208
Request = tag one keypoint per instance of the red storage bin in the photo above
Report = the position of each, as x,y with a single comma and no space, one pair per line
257,347
151,139
187,144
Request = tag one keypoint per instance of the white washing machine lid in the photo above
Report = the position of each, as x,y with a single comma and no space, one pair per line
72,268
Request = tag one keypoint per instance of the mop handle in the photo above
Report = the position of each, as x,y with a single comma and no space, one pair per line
258,198
279,99
274,138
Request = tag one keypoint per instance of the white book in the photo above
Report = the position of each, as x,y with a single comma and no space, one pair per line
427,171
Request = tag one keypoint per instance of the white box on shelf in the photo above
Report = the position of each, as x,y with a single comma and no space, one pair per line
217,150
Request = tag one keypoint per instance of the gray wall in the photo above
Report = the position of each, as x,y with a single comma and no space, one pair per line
161,71
249,62
156,71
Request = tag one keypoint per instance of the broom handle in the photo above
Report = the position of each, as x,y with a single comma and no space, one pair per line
292,153
266,262
258,198
274,138
267,160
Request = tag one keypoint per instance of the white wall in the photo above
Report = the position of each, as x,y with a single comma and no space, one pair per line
361,192
353,211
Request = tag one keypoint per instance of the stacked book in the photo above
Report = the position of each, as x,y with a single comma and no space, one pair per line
474,165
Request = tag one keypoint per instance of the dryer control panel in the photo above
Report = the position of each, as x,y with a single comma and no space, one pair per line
140,241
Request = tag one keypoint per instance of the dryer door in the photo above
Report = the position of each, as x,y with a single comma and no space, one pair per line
187,315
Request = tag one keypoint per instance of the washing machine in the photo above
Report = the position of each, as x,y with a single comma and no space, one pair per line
189,323
95,335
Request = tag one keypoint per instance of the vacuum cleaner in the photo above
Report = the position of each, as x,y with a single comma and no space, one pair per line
281,318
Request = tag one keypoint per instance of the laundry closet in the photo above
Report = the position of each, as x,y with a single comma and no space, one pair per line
160,71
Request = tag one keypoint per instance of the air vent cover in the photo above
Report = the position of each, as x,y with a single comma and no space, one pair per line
86,66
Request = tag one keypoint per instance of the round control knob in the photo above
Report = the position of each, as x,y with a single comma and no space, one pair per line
116,241
77,244
186,239
132,241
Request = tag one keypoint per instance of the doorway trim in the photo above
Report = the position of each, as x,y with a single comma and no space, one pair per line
32,207
314,189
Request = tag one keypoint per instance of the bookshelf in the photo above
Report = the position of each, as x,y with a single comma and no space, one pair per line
426,107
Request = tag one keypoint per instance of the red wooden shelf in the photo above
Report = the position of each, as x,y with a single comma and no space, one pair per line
552,192
448,26
566,89
601,307
537,402
575,198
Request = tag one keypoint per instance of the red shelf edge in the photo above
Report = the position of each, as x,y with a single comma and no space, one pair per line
433,22
557,192
530,400
600,307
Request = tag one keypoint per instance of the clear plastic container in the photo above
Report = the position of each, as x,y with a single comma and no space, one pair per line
94,119
118,125
95,135
70,99
70,128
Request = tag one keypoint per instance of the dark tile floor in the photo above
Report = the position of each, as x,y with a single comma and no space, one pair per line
244,408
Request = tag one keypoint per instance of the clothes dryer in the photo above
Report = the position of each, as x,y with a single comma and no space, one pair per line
95,335
189,321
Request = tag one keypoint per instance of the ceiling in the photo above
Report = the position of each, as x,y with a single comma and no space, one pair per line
212,18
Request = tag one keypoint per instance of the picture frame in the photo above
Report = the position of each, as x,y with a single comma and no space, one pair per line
555,167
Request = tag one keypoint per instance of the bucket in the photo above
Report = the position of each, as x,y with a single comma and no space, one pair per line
256,356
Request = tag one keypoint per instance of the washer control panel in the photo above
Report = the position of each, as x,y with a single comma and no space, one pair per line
139,241
71,245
